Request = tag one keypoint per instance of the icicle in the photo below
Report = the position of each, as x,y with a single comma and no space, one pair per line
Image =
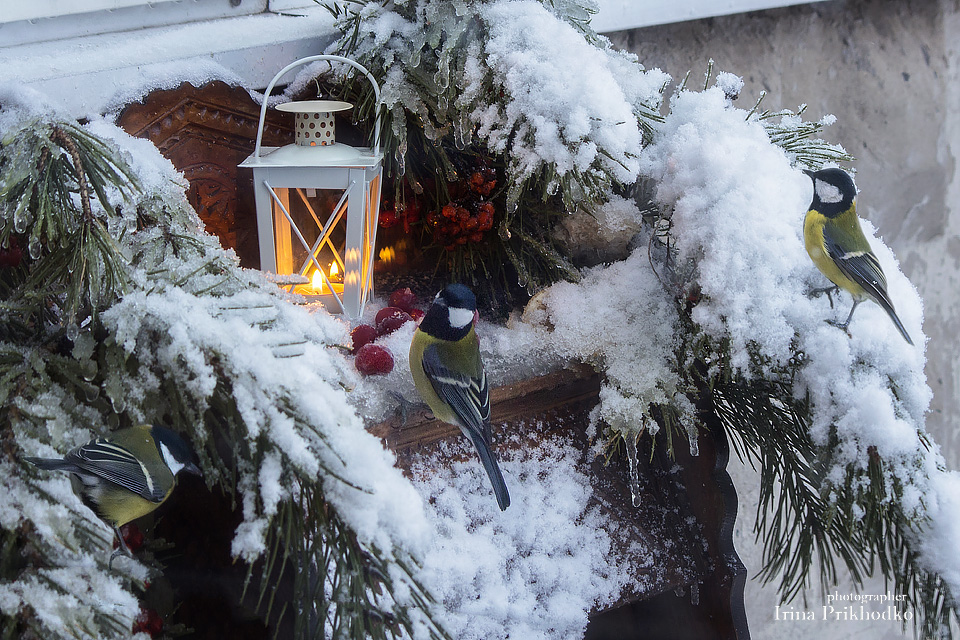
20,220
692,437
34,247
513,197
400,156
442,77
630,439
463,131
458,136
695,594
73,331
118,403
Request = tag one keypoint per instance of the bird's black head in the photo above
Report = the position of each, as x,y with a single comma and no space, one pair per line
833,191
451,315
176,453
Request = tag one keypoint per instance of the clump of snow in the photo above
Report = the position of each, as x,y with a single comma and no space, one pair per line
547,119
620,319
576,122
737,215
533,571
731,84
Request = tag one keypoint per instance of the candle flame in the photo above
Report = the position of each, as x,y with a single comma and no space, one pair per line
334,269
317,281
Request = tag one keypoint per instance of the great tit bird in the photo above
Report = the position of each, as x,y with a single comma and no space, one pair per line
832,235
127,474
448,373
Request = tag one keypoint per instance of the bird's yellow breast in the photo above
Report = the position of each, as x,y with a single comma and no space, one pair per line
813,241
441,410
119,506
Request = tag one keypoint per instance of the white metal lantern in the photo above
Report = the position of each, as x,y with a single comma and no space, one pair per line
318,201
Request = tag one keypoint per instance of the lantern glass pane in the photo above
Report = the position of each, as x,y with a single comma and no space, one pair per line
317,235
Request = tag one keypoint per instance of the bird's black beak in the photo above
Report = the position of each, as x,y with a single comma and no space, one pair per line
192,469
809,173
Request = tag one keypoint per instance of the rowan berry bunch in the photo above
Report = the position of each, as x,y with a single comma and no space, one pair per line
467,218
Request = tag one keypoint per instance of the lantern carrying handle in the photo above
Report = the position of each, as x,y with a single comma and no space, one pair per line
307,60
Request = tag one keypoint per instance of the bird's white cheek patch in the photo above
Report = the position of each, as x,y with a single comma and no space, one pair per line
459,317
170,461
827,192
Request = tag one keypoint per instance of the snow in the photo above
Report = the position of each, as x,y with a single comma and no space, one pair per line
92,75
738,210
549,121
553,115
622,320
533,571
536,570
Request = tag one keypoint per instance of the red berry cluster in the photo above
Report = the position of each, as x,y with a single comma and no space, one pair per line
132,536
408,212
373,359
456,225
483,181
465,219
148,621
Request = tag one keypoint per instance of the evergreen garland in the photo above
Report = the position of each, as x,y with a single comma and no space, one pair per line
807,521
85,344
431,135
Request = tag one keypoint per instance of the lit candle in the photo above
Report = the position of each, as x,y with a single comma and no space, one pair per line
320,287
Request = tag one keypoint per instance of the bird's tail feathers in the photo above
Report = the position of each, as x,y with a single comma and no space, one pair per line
489,461
888,307
51,464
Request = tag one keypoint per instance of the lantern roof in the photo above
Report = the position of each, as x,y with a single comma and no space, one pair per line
333,155
314,106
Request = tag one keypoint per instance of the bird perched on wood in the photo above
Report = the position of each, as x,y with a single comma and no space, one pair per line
448,373
836,244
127,474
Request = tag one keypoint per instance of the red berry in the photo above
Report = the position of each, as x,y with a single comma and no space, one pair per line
386,312
132,536
392,323
362,334
404,299
388,218
374,360
148,621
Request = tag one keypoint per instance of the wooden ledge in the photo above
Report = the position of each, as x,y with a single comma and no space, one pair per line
508,403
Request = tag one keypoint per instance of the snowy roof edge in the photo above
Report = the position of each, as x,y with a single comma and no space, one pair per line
620,15
79,72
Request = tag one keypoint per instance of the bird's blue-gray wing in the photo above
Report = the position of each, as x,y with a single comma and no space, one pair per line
860,266
468,395
115,464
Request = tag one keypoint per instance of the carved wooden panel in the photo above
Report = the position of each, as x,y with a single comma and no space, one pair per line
206,132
